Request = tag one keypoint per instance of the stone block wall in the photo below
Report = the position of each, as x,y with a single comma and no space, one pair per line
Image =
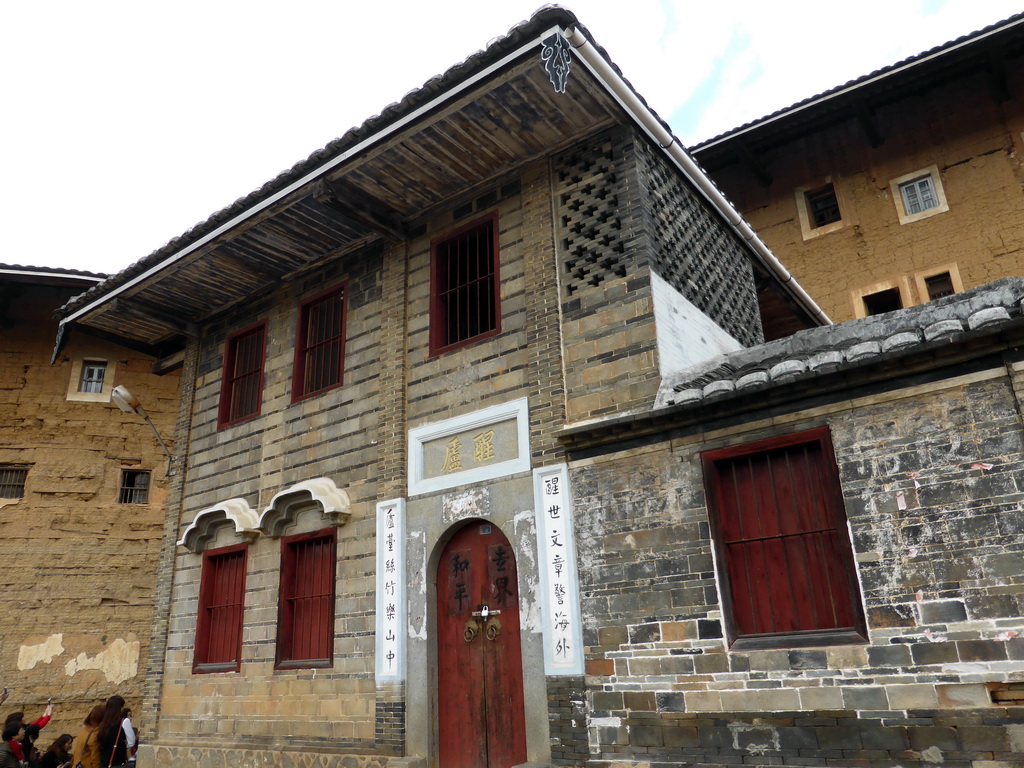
941,580
79,567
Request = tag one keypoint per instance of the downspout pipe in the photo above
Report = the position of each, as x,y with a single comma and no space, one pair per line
597,64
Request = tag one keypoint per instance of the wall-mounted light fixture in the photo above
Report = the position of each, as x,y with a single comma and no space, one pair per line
129,403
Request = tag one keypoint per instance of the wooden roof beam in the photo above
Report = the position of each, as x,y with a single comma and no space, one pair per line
132,308
868,124
362,208
754,164
998,83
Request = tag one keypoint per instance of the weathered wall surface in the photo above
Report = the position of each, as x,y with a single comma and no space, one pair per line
79,568
942,586
976,143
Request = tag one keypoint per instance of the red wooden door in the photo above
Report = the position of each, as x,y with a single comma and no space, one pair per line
480,669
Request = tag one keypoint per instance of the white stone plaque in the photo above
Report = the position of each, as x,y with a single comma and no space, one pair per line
559,577
391,590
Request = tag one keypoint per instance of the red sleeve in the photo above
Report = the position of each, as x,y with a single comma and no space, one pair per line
42,721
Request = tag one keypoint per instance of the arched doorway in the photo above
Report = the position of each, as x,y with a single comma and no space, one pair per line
481,723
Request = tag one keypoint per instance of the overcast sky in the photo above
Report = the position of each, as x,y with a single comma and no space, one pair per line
126,123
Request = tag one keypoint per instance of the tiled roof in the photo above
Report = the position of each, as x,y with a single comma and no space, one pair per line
871,76
542,19
846,346
21,269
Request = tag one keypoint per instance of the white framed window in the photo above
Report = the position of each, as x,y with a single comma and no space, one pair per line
883,296
919,194
821,208
91,380
938,282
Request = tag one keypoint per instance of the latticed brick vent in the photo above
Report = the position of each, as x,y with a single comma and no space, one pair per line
12,482
589,224
695,253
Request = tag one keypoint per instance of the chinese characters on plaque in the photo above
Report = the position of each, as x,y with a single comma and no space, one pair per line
563,636
391,590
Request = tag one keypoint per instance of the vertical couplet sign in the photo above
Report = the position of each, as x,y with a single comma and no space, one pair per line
391,590
556,547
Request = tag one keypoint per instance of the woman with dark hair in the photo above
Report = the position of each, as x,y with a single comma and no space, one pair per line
87,742
30,755
113,750
58,753
12,734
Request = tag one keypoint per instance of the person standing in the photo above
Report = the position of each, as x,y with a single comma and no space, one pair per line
87,743
113,749
12,734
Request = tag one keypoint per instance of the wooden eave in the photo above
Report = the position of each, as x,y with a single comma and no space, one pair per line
465,143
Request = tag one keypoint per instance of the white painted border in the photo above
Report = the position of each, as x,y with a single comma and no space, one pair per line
397,625
419,436
571,578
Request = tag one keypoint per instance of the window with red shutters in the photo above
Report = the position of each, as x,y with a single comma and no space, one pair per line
784,554
320,344
464,286
305,631
221,605
241,394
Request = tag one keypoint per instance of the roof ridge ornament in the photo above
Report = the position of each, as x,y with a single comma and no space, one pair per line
555,55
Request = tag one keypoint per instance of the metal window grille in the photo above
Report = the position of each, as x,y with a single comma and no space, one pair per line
939,285
918,195
823,206
12,482
322,343
134,487
222,602
245,375
466,285
93,373
307,593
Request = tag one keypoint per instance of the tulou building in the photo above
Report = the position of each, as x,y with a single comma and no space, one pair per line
894,189
82,493
502,440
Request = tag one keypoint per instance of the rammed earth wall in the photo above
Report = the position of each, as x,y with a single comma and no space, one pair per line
942,583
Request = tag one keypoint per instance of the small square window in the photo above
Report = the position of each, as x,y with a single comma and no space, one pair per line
12,482
221,606
918,195
464,287
888,300
823,206
241,394
939,285
305,629
134,487
93,374
320,344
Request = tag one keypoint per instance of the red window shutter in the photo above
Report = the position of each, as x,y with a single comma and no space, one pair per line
306,624
242,389
221,606
780,530
320,344
465,290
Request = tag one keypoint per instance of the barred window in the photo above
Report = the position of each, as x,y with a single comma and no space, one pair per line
241,394
305,630
465,291
823,206
12,482
134,487
320,344
221,606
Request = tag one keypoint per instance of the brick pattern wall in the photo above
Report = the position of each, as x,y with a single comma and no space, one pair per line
942,587
694,251
79,568
568,721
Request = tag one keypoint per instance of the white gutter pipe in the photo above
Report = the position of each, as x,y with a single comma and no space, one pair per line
629,101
